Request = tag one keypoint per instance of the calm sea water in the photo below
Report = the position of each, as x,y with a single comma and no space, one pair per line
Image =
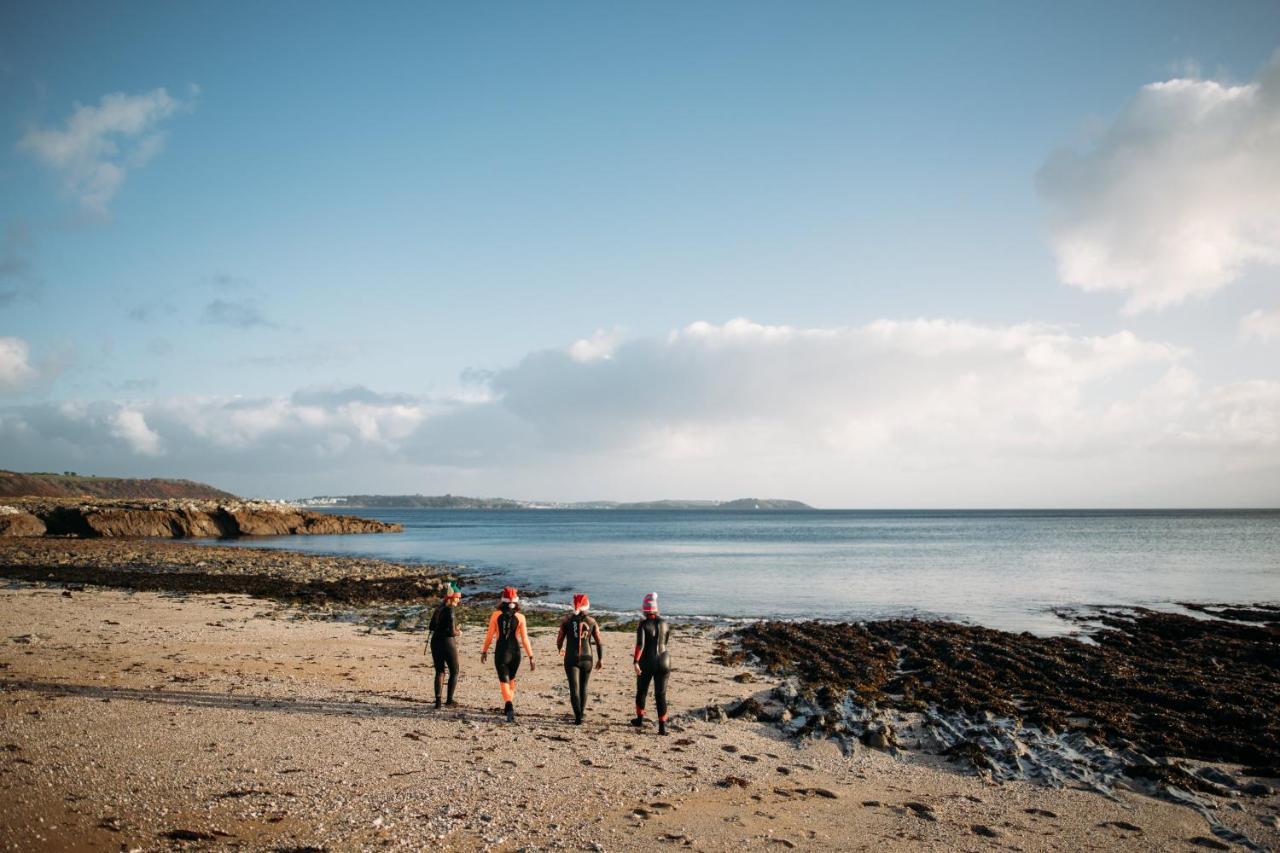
1002,569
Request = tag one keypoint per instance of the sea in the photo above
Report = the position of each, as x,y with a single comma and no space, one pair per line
1011,570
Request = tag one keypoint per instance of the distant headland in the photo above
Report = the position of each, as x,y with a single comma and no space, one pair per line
460,502
69,484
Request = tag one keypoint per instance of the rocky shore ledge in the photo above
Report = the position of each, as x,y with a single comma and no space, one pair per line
163,566
1171,705
171,519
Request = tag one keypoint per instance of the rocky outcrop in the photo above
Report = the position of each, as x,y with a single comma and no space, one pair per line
173,519
171,566
1173,684
15,522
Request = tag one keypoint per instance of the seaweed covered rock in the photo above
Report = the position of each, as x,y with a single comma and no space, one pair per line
1174,685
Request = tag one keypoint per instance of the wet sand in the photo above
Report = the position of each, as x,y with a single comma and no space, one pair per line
142,720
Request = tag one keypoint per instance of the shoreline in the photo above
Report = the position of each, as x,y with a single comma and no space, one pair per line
156,720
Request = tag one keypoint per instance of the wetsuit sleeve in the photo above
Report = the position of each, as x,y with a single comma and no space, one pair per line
491,633
561,634
595,636
521,633
639,641
435,619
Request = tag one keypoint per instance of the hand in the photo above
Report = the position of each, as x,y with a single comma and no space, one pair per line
600,663
637,666
532,666
562,652
484,657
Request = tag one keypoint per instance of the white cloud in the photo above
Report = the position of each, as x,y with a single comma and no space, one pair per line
891,413
96,146
16,371
130,426
598,346
1176,197
1260,325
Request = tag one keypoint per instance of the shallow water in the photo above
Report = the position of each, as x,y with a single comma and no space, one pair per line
1003,569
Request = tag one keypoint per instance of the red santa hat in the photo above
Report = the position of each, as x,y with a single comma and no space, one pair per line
510,595
580,602
650,603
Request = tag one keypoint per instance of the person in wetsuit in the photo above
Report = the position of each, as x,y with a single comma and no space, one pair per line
652,662
577,633
507,626
442,630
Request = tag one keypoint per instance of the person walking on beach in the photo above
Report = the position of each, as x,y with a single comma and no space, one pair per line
577,633
507,626
652,662
443,629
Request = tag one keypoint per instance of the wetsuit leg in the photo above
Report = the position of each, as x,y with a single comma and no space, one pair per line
571,672
642,690
451,662
584,675
507,664
661,670
438,661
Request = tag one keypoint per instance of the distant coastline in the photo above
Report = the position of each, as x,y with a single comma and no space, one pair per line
461,502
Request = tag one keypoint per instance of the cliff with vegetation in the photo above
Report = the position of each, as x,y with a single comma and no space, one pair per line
72,485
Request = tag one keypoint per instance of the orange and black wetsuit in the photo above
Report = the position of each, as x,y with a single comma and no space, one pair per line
655,665
507,626
580,631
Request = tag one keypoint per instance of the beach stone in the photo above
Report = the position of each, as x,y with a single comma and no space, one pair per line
1217,777
879,736
921,810
984,831
189,835
1257,789
1208,843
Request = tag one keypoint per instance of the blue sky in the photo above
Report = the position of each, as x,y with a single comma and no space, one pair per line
422,202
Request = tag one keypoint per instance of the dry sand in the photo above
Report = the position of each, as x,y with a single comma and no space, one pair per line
128,720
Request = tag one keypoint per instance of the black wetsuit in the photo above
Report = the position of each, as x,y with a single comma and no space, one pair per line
654,661
506,650
444,648
577,633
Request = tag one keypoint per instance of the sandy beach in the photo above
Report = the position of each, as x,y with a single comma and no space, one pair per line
144,720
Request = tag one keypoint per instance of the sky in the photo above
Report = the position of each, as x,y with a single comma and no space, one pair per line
893,255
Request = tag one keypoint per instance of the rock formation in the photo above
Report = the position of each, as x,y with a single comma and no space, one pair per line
172,519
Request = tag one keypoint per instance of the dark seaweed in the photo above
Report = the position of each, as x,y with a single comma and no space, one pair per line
1171,684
